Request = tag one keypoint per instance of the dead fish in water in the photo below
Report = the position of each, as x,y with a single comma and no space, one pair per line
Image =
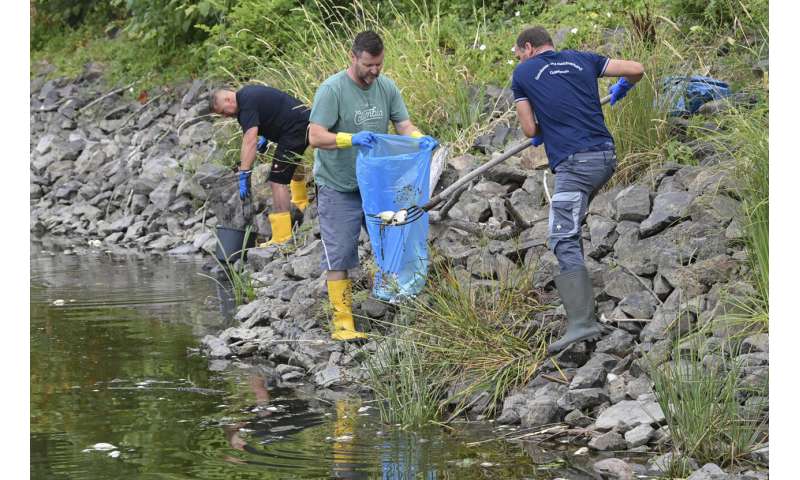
198,390
201,391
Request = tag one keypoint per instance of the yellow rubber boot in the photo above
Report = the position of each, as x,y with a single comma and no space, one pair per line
299,194
340,294
281,224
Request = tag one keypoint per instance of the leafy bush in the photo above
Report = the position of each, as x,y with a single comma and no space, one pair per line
166,24
51,18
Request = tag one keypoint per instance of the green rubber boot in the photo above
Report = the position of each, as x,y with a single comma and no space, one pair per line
575,288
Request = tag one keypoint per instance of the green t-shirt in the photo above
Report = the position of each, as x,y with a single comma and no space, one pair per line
340,105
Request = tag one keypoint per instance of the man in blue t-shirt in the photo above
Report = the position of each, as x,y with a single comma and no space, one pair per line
558,104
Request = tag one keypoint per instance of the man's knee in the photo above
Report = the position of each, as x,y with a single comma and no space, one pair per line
566,211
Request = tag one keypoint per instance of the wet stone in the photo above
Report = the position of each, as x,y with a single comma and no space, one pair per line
608,441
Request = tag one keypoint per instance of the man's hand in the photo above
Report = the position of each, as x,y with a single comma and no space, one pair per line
537,140
244,184
261,146
619,90
364,138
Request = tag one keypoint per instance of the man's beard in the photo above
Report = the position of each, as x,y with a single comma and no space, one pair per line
368,78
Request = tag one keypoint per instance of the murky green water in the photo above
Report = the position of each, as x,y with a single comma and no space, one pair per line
118,392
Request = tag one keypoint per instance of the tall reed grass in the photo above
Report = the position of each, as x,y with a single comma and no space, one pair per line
469,333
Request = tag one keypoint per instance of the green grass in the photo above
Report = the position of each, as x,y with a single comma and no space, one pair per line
705,419
407,391
476,336
126,60
434,82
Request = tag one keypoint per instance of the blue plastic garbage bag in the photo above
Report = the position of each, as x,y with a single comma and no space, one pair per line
393,175
685,95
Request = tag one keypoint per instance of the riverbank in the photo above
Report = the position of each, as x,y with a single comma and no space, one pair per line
666,254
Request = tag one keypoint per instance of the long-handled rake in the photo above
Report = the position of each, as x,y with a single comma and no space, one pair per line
414,212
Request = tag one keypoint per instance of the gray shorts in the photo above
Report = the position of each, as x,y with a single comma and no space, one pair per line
340,221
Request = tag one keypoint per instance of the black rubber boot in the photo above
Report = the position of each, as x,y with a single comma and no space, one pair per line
576,293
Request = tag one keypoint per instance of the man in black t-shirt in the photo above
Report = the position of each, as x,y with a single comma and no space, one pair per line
266,113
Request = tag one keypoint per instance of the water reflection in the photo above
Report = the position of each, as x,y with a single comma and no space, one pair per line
113,364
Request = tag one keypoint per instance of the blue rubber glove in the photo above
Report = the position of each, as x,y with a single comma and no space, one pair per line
244,184
537,140
619,90
364,139
261,146
426,142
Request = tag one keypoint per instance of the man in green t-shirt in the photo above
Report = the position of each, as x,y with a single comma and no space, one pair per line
361,100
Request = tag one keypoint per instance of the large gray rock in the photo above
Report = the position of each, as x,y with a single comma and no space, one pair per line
674,247
330,376
639,436
620,284
216,347
603,232
490,266
189,186
199,132
472,207
633,203
641,304
614,469
709,471
619,343
163,195
608,441
756,343
593,373
629,414
583,399
527,205
668,208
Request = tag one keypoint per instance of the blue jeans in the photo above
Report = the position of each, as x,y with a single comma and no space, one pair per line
578,178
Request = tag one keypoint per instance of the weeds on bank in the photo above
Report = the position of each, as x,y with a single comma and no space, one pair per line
434,83
702,409
468,336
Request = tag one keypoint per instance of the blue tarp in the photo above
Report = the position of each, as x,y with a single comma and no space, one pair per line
685,95
394,175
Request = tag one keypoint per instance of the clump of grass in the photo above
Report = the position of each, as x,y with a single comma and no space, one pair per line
638,123
702,409
406,389
472,334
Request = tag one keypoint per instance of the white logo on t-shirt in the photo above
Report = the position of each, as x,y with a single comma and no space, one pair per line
363,116
554,72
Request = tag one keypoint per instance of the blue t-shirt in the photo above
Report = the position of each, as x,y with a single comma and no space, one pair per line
562,90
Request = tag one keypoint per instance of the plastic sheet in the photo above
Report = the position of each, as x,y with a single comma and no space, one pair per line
394,175
685,95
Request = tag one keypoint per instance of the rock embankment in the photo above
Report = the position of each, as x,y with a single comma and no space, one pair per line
666,256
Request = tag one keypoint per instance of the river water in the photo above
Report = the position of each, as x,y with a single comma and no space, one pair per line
118,390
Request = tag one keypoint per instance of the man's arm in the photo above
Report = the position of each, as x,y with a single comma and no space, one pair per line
632,71
526,120
321,137
405,128
248,152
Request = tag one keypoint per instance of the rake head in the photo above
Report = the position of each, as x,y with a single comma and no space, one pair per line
396,219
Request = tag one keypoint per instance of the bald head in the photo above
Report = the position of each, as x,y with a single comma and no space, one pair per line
223,102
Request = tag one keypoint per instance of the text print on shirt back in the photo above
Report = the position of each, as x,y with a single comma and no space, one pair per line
557,64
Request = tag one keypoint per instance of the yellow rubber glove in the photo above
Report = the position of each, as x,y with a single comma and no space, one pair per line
416,134
344,140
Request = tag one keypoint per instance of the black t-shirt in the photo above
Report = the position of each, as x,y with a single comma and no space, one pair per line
274,112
